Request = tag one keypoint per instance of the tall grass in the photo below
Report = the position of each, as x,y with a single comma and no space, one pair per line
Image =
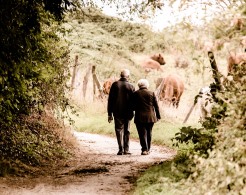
153,180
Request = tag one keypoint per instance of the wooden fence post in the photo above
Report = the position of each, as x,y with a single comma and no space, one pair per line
74,73
216,77
215,70
85,81
188,115
159,89
96,83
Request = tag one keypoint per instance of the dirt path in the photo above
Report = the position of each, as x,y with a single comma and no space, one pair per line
96,171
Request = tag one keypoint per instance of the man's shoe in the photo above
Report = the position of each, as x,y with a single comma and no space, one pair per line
144,153
127,153
120,153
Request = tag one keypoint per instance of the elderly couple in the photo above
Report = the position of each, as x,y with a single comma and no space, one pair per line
123,101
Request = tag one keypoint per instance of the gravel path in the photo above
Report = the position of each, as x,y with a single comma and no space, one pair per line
97,170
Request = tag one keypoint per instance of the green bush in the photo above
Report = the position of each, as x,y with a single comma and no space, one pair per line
33,76
32,63
33,141
202,139
224,170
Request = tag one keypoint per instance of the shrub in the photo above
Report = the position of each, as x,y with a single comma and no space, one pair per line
224,169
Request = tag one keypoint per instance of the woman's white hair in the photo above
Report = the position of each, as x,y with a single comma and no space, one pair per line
143,83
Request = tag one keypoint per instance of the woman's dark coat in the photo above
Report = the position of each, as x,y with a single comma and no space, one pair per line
145,105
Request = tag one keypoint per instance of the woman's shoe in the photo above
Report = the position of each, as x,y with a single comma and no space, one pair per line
120,153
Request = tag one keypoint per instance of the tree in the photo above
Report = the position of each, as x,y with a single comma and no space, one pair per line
27,64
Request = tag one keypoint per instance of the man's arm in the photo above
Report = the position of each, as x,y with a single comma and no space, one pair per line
111,99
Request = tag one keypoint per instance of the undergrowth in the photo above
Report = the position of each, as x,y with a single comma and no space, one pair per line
33,143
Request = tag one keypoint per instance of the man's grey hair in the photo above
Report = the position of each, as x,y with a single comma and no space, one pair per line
143,83
125,73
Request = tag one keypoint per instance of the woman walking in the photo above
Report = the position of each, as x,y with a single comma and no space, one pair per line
146,108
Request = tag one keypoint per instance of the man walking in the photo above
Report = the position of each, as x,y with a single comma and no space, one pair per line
119,110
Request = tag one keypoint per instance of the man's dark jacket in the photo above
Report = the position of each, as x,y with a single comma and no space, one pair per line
119,97
145,105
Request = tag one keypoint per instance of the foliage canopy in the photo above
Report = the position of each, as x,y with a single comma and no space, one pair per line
29,70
